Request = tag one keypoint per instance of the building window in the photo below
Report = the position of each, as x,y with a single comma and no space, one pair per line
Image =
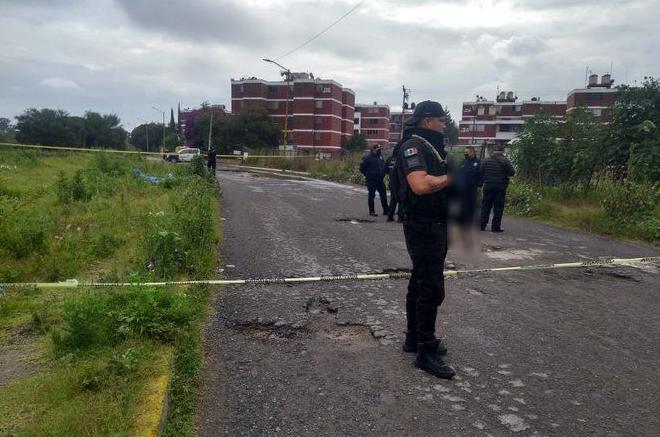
518,108
327,90
319,88
317,136
273,105
356,121
492,110
373,121
481,128
272,89
240,88
480,110
319,104
317,120
373,110
597,112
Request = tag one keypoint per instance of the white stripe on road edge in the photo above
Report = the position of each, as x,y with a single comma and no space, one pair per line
74,283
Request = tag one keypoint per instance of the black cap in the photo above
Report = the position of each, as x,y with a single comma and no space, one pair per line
425,109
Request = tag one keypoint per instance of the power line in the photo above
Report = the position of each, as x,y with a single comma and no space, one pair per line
323,31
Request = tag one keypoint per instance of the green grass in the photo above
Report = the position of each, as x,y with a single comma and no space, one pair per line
345,169
86,357
628,216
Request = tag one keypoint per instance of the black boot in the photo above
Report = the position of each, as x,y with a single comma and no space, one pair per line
429,361
410,345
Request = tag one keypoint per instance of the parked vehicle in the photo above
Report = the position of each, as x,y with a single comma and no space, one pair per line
185,154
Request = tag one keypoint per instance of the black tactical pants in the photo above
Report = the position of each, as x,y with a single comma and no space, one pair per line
493,199
393,206
382,192
427,247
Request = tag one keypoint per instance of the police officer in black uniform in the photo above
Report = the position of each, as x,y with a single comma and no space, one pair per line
390,169
422,164
211,159
373,169
468,179
495,173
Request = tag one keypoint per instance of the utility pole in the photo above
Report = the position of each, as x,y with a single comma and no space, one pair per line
210,129
406,94
287,74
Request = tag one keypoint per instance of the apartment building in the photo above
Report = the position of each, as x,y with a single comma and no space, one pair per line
373,121
320,112
499,121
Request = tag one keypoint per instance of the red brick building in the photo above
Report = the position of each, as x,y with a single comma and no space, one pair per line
396,122
320,111
597,97
498,122
373,121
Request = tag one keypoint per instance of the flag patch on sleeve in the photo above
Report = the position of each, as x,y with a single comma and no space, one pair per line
410,152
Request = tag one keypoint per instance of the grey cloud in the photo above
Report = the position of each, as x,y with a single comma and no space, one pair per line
223,21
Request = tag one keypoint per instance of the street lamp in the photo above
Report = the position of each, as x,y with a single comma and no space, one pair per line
162,112
146,129
287,74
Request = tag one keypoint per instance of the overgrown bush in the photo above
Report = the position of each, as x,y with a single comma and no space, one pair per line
24,232
72,190
198,166
523,199
109,164
99,320
105,244
165,252
628,202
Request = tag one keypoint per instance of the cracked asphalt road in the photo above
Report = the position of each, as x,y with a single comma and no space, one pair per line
569,352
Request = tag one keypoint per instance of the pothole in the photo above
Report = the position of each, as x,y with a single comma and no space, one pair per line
271,330
614,273
344,333
318,305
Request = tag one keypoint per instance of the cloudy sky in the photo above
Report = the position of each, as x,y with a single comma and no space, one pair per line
125,56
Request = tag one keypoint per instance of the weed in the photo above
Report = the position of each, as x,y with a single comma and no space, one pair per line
629,202
523,199
198,166
100,320
25,232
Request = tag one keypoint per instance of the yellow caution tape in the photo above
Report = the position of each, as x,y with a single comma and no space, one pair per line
74,283
137,152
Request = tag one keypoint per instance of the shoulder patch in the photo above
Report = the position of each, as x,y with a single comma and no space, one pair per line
410,152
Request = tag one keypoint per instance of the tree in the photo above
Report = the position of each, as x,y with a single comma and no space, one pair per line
252,128
580,153
451,130
172,126
172,141
139,137
634,140
357,142
45,127
104,131
534,148
7,131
